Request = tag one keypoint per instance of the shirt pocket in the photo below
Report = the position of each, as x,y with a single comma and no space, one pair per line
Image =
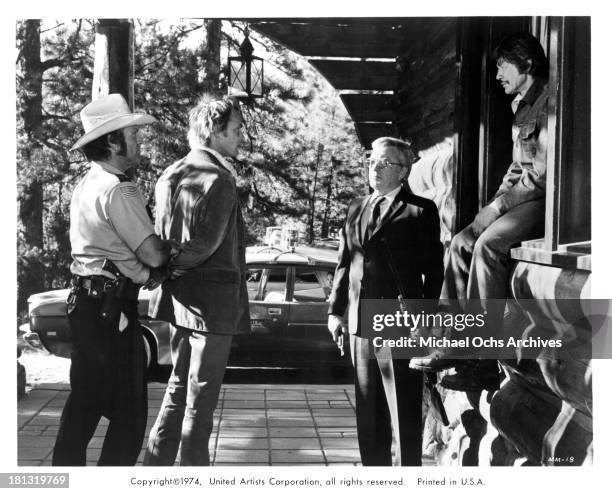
527,138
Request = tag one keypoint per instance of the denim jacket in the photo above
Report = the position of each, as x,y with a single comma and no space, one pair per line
525,179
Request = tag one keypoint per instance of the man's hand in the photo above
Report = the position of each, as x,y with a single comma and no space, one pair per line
174,246
176,273
483,219
336,327
156,277
175,249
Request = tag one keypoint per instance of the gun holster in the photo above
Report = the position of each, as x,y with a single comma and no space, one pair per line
112,299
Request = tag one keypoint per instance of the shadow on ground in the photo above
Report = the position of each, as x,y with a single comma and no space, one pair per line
273,375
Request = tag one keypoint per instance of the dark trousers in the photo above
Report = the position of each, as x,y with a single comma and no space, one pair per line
186,414
107,378
388,402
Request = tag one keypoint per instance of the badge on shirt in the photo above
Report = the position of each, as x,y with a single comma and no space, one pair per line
129,190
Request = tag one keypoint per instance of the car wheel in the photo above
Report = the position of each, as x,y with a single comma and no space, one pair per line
149,342
147,348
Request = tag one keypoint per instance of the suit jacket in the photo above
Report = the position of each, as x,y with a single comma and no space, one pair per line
411,228
197,205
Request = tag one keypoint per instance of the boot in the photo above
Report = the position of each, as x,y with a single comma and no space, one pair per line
439,360
474,375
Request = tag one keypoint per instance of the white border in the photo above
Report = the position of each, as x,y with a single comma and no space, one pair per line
498,479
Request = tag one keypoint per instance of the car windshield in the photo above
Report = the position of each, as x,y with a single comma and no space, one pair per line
267,283
310,285
274,287
289,283
253,278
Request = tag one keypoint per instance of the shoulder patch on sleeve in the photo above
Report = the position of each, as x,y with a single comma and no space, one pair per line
129,190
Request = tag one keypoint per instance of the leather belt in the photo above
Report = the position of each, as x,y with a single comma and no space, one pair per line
86,283
97,285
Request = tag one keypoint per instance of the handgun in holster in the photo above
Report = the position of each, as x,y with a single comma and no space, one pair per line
110,308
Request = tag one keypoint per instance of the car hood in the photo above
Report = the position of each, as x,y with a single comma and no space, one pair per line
53,303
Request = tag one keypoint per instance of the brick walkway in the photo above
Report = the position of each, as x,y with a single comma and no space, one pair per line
255,424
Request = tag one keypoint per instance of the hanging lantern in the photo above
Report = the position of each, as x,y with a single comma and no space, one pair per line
245,72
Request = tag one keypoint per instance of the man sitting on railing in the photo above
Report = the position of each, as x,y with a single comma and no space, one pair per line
478,266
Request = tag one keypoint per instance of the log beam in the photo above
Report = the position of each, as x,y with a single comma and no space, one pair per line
114,59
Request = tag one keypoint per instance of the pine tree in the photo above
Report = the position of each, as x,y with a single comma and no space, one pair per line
52,75
174,64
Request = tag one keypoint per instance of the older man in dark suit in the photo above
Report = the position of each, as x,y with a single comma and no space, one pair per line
197,205
391,229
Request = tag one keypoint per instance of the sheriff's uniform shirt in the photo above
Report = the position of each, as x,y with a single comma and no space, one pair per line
108,219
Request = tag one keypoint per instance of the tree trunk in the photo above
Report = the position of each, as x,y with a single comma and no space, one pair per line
30,99
30,189
31,212
311,235
330,182
30,94
212,56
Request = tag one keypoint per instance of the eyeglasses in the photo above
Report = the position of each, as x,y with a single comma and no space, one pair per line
382,164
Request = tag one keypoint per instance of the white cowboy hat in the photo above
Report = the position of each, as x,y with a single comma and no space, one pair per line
107,114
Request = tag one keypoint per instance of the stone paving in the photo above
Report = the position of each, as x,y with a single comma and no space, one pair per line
255,424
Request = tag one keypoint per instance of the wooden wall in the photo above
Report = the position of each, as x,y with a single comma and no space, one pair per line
426,98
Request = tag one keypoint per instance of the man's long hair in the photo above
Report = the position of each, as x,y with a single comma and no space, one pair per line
524,51
210,115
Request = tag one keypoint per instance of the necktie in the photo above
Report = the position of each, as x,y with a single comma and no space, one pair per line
374,217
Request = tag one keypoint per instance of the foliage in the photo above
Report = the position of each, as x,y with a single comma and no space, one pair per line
42,154
300,115
300,126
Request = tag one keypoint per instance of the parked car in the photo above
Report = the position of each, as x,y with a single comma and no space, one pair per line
288,292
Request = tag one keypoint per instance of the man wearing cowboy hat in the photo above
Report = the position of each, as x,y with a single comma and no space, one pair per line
114,248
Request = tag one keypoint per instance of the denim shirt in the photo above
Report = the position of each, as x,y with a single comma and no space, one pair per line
525,179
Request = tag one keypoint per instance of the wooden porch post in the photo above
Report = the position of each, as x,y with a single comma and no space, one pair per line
114,59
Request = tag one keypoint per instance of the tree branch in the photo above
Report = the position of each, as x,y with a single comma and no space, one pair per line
51,145
52,28
181,33
52,62
51,116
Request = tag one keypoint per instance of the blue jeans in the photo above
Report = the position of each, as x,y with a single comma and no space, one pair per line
186,415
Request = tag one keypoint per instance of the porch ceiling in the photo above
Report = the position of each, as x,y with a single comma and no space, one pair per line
369,107
357,74
368,132
335,37
362,83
